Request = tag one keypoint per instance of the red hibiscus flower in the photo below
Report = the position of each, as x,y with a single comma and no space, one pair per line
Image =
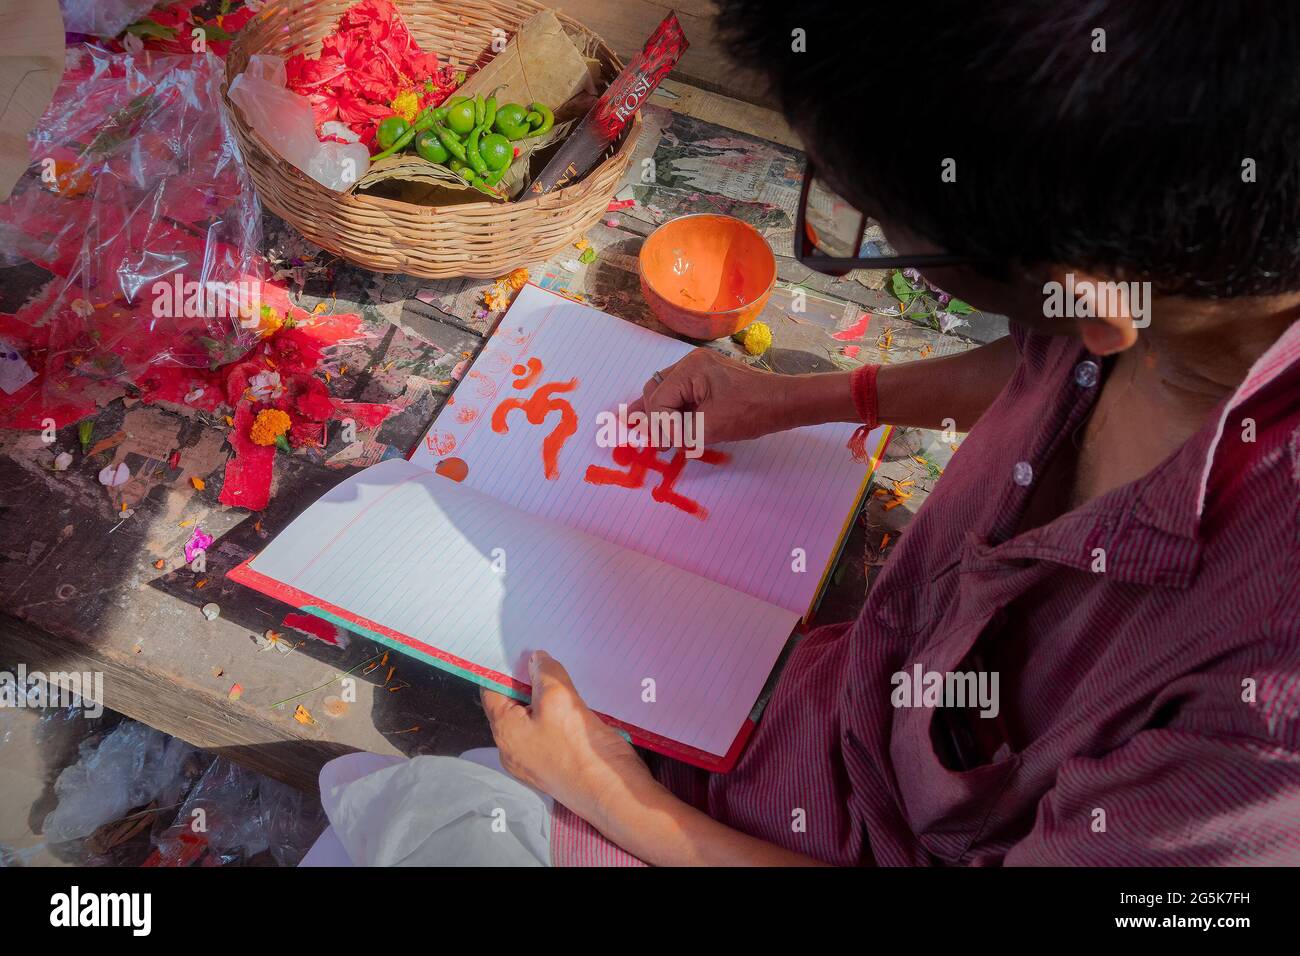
363,65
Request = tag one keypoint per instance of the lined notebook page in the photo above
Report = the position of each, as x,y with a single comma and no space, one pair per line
410,550
775,509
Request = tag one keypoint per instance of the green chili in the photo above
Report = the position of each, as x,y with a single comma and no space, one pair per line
485,184
490,108
448,139
471,151
463,171
541,118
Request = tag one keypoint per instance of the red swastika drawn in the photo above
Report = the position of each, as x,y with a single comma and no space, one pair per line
536,408
640,461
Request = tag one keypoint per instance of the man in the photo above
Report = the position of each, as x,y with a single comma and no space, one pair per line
1115,548
1118,536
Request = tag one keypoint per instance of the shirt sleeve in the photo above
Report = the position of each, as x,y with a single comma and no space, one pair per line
1170,798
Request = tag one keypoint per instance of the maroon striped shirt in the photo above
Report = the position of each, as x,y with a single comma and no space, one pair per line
1153,705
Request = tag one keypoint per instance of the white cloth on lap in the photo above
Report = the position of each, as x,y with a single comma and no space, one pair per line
430,811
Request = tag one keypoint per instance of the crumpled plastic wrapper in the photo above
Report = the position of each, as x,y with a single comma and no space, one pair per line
131,766
135,183
232,815
102,18
285,121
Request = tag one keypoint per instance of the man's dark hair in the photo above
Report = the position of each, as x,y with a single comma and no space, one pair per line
1130,161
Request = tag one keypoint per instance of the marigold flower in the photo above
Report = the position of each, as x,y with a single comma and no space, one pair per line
271,321
756,338
269,425
499,296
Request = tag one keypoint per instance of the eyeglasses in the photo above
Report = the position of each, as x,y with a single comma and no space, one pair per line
831,236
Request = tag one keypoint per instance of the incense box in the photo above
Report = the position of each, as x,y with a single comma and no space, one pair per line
585,146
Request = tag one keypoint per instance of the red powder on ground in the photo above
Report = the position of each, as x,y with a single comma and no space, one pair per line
854,331
316,627
295,353
249,471
85,361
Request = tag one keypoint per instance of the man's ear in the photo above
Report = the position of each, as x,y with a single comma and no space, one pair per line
1103,309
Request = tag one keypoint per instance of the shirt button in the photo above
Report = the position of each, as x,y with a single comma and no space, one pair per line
1087,374
1023,474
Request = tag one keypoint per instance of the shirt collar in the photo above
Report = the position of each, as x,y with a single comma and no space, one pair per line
1172,498
1279,360
1149,530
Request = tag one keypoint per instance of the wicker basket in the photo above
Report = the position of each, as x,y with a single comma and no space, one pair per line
478,239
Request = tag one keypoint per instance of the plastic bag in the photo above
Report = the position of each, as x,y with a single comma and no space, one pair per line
132,766
285,120
34,741
138,205
232,815
102,18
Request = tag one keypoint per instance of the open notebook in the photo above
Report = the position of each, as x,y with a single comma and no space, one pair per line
667,585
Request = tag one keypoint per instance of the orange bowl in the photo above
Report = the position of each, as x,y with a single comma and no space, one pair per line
707,276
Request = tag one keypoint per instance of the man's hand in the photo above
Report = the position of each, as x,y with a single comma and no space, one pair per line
558,744
739,402
736,402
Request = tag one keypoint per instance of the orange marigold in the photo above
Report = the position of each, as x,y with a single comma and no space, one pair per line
271,321
269,425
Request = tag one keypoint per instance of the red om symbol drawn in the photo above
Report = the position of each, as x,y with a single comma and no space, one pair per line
536,408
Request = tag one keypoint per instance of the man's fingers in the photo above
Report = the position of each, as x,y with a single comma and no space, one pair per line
547,672
501,710
670,394
652,385
647,396
653,394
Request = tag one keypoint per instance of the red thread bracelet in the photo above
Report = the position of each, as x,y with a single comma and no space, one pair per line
862,384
